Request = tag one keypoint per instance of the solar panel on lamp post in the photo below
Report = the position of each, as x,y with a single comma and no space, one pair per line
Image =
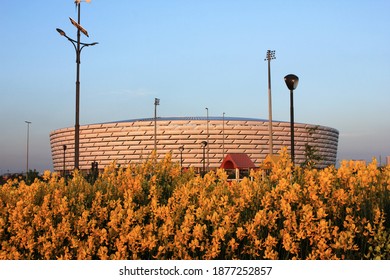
78,46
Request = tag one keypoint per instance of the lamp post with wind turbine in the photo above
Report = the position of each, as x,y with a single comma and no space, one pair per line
78,46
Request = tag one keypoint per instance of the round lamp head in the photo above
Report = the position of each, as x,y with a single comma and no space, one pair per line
204,144
291,81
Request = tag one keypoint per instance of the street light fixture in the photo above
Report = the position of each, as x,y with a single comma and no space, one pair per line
74,42
64,171
223,136
156,103
181,149
204,144
292,83
208,136
78,46
28,136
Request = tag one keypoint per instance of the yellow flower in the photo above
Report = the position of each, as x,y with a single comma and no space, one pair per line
240,233
321,213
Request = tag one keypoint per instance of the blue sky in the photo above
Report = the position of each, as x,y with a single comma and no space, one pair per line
194,54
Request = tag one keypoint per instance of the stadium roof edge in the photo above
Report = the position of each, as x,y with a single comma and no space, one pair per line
203,118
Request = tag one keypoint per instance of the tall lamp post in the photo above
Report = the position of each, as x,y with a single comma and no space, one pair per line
208,136
64,171
292,83
156,103
28,136
270,56
78,46
223,136
181,149
204,144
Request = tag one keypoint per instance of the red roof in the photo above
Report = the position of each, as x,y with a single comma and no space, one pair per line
240,161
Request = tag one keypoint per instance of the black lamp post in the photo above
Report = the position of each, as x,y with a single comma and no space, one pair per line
181,149
204,144
208,136
28,136
156,103
64,147
223,136
292,83
78,46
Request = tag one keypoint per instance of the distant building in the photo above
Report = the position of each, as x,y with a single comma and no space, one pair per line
132,141
388,160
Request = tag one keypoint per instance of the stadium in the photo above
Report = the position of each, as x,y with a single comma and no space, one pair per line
133,141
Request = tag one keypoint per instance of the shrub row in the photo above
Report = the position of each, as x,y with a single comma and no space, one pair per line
156,211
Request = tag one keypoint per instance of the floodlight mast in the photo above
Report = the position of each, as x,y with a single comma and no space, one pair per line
270,56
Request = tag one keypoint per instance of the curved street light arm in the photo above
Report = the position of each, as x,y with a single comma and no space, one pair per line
87,45
74,42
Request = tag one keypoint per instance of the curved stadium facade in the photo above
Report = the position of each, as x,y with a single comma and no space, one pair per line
132,141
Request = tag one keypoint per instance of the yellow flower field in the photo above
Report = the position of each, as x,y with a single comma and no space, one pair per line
153,211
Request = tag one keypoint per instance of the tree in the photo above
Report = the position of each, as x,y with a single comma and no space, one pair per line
312,157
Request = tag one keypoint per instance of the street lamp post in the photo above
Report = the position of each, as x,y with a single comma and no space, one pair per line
181,149
223,136
270,56
64,147
156,103
292,83
28,136
208,136
78,46
204,144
